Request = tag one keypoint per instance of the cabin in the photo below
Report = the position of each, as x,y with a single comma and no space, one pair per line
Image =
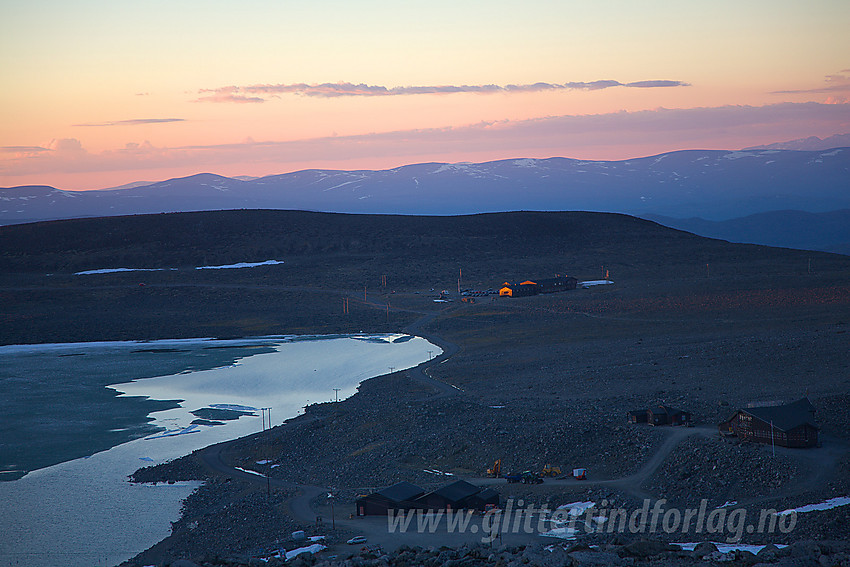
787,425
400,496
660,415
665,415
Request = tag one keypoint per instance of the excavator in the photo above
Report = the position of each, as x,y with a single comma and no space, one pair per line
496,470
551,471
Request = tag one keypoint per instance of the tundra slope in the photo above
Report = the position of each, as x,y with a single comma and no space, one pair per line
695,323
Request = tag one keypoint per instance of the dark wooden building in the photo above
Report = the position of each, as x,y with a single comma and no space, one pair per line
558,283
660,415
459,495
787,425
400,496
665,415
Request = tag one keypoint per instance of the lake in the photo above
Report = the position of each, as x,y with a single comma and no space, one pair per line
109,405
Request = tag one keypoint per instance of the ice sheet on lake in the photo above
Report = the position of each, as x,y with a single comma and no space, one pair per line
233,407
88,505
825,505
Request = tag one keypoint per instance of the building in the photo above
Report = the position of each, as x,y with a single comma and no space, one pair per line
558,283
459,495
400,496
660,415
518,289
786,425
542,285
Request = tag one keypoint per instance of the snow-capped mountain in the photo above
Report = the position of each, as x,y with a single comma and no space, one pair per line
713,185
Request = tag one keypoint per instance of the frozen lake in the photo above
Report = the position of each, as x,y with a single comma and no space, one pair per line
83,511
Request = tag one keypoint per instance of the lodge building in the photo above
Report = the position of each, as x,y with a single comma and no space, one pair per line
787,425
459,495
533,287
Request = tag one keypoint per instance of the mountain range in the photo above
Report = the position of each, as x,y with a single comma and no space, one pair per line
696,190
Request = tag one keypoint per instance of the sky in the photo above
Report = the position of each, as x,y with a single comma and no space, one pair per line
99,93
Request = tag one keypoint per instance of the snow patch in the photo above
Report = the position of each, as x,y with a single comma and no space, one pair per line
116,270
241,265
440,473
739,155
825,505
315,548
727,547
576,509
249,471
592,283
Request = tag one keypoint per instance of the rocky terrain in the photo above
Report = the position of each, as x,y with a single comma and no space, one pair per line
700,325
621,554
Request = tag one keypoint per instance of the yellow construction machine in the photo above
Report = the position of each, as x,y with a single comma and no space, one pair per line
496,470
551,471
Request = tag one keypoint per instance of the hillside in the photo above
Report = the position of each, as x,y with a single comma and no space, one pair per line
699,324
325,255
827,232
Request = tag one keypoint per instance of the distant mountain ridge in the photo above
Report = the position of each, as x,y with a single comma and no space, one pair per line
714,185
810,144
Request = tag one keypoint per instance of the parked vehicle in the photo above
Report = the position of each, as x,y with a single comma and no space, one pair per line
529,477
357,540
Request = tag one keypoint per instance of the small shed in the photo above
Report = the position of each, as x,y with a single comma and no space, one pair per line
400,496
637,416
665,415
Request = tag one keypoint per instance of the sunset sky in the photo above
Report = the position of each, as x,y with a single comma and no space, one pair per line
101,93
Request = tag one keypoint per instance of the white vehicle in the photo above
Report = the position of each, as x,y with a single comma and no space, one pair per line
357,540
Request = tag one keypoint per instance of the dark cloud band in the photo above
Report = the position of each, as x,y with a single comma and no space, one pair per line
332,90
135,122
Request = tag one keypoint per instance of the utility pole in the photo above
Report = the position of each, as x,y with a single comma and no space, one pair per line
429,354
772,443
264,410
336,394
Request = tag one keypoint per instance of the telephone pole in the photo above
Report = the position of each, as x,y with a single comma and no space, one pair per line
336,394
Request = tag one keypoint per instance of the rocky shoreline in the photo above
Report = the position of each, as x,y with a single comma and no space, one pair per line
637,553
